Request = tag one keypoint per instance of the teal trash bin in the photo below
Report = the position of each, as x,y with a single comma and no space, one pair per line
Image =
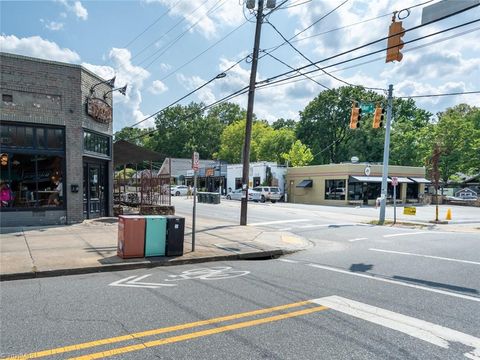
155,235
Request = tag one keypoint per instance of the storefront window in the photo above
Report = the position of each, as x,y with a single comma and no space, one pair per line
334,189
95,143
31,176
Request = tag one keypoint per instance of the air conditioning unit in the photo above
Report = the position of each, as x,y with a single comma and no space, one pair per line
271,4
250,4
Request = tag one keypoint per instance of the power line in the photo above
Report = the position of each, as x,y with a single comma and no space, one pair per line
167,32
311,62
190,93
203,52
382,58
435,95
153,23
174,41
379,40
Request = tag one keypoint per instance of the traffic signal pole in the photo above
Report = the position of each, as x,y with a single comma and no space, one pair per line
386,154
248,125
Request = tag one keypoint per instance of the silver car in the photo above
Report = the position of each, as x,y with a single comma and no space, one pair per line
271,193
237,195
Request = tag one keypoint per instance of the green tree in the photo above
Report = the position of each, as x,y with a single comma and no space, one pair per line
136,136
284,124
232,138
299,155
274,144
227,113
324,127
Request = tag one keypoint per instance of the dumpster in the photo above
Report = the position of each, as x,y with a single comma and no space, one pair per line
155,235
131,236
175,235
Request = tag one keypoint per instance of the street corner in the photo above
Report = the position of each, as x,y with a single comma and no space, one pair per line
284,240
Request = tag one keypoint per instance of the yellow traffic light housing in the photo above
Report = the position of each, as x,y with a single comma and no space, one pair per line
395,43
356,116
378,117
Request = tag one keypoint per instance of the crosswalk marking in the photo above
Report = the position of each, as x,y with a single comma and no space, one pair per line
424,330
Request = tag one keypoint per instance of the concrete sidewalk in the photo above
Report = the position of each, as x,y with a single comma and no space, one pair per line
92,247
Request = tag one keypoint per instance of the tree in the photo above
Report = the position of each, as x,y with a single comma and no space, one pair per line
274,144
227,113
299,155
232,138
136,136
284,124
323,126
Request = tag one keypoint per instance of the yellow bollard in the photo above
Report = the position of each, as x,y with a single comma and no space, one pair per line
449,214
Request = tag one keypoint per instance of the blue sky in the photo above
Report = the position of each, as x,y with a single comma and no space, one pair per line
99,34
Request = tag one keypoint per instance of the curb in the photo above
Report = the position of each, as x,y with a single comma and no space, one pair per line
259,255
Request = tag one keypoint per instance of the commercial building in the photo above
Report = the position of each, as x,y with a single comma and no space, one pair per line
56,142
260,173
353,184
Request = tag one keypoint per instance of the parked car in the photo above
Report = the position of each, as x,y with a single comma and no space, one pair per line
270,193
237,195
179,190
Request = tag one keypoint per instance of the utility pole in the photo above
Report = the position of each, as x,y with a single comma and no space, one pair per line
248,126
386,154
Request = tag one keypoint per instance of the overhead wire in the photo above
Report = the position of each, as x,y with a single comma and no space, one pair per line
174,41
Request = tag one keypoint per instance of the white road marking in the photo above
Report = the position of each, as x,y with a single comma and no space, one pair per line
288,261
134,281
278,222
423,330
426,256
371,277
417,233
285,229
357,239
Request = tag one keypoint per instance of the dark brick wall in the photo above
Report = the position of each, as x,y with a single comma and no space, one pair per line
53,93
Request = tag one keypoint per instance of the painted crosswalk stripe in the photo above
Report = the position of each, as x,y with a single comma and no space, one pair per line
278,222
400,283
288,261
426,256
424,330
357,239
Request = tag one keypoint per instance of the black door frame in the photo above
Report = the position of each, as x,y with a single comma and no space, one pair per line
102,166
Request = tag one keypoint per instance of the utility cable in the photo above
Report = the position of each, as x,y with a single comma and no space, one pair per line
311,62
435,95
174,41
190,93
167,32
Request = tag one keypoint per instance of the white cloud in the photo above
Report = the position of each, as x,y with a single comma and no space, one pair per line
37,47
205,94
158,87
52,25
206,17
76,7
127,108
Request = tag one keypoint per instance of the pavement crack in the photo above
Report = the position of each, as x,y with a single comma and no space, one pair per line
34,267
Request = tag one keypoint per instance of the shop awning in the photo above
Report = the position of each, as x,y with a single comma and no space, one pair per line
403,180
367,179
420,180
125,152
305,184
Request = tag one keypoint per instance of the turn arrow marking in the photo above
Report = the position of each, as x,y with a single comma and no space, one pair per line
134,281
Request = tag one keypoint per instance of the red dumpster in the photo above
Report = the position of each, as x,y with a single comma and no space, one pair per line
131,236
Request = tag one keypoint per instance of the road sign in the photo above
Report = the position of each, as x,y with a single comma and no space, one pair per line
409,210
394,181
196,161
367,108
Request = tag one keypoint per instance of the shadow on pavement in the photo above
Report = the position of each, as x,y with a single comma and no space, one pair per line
437,285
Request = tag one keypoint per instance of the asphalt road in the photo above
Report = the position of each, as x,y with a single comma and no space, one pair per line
362,292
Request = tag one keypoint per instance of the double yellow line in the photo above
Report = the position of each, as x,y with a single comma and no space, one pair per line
178,338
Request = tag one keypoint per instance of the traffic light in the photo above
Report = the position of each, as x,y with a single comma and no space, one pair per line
395,43
378,117
356,116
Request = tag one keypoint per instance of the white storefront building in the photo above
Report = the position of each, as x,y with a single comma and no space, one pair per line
261,173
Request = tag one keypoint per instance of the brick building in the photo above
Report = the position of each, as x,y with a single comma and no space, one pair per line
56,142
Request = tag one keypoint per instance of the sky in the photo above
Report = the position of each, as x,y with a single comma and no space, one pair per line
164,49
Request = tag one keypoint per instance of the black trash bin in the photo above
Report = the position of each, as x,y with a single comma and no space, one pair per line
175,235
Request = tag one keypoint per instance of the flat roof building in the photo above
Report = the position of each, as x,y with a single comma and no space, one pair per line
56,142
353,184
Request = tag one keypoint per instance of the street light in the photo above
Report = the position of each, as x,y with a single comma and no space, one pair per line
122,90
110,83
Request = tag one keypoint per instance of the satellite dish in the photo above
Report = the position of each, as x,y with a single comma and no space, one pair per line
354,159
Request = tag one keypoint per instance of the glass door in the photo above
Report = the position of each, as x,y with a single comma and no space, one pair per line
94,187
